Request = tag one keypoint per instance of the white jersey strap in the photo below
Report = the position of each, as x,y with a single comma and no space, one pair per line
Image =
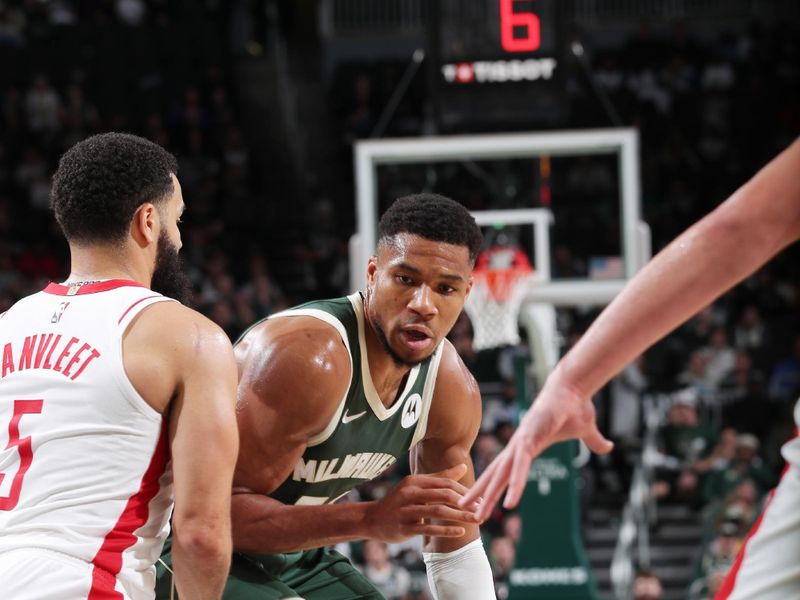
427,394
328,318
137,306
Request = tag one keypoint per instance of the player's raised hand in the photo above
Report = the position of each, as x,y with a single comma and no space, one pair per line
559,413
409,507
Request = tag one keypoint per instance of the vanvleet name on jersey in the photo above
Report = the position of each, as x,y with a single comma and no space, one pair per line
362,465
66,355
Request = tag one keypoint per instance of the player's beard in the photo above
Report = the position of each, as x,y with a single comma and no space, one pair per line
169,278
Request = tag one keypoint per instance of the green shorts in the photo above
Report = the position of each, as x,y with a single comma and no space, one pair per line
319,574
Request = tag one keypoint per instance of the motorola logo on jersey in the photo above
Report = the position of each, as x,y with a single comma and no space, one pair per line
411,410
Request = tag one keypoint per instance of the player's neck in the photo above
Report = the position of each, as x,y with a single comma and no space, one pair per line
98,264
386,374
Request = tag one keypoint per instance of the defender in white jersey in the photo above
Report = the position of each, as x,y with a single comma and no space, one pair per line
755,223
114,398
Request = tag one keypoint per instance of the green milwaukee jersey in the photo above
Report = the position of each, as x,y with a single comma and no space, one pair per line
363,438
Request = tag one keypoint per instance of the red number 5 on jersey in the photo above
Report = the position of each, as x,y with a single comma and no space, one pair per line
21,407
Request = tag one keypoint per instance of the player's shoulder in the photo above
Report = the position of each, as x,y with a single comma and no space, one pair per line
300,353
296,338
455,412
179,327
453,375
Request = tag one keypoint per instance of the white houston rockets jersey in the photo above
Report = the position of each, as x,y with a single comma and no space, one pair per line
768,564
83,458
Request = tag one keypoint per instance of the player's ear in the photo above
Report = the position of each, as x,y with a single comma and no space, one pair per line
144,224
469,287
372,269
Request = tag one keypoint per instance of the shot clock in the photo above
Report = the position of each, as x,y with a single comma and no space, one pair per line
498,62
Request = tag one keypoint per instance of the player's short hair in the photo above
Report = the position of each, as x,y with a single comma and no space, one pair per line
102,180
433,217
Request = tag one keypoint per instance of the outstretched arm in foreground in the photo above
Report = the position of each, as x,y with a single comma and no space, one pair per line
754,224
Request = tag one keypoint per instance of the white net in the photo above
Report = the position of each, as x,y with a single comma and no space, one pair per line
501,281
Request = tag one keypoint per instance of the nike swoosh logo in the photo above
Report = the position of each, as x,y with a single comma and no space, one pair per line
347,418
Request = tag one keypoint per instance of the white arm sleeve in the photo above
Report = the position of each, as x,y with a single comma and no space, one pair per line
462,574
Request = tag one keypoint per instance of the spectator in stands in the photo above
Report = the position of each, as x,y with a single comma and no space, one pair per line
784,383
746,464
32,176
512,527
741,395
12,26
684,440
721,456
719,356
361,117
647,586
695,376
484,450
196,163
698,330
189,113
78,117
686,437
42,106
714,581
722,550
502,555
61,13
740,506
391,579
131,12
327,254
235,154
626,401
750,333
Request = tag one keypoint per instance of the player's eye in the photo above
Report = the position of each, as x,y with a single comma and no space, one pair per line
404,279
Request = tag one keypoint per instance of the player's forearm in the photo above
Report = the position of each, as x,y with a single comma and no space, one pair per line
758,221
264,525
201,558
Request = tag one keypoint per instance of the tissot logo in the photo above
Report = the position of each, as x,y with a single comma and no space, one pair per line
500,71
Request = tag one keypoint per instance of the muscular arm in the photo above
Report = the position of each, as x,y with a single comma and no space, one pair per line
755,223
457,567
293,376
174,353
453,424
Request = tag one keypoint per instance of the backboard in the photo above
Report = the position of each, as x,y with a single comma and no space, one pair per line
617,149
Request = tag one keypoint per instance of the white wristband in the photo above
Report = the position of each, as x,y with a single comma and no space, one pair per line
462,574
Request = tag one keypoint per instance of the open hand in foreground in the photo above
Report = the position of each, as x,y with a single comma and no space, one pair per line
559,413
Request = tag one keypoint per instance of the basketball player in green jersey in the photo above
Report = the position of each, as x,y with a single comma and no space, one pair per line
332,393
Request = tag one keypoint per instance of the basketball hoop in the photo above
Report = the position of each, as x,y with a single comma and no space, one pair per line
501,277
